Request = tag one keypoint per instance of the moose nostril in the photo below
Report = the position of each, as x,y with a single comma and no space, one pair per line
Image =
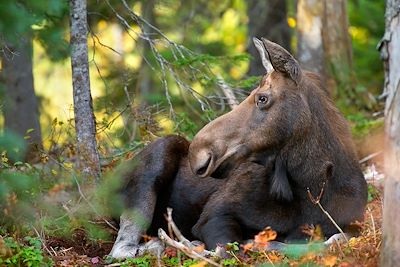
202,170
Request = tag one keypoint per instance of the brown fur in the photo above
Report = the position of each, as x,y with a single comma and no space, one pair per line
266,154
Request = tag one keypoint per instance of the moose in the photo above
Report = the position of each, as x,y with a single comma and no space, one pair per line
255,166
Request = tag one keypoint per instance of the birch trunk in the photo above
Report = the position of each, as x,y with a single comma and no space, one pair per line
390,53
324,44
85,124
310,49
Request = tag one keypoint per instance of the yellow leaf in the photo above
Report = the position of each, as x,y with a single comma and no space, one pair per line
199,264
291,22
29,130
329,260
353,242
68,165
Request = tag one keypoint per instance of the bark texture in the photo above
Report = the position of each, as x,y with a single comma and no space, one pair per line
266,19
310,49
146,84
21,111
390,53
85,123
324,44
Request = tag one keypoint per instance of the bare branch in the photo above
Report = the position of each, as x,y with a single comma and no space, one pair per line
189,252
157,40
232,101
317,202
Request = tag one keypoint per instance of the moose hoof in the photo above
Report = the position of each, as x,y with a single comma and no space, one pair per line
154,246
124,251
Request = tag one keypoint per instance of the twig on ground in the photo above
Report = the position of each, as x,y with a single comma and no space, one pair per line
66,250
340,249
42,239
55,253
176,231
115,264
371,156
270,261
373,224
189,252
182,239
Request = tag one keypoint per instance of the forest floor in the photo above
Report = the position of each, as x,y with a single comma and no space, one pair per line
363,250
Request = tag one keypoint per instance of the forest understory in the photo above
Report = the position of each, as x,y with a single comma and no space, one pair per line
78,247
359,251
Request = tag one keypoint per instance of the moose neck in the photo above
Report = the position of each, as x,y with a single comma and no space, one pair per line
328,142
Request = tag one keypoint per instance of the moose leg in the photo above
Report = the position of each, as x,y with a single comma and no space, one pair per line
129,234
216,229
154,168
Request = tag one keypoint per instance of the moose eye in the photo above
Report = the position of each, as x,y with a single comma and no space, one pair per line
262,100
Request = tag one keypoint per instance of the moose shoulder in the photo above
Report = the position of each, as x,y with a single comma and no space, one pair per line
253,167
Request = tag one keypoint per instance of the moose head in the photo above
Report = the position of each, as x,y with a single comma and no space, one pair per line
288,121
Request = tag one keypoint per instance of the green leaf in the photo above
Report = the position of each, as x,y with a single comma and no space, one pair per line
14,144
29,130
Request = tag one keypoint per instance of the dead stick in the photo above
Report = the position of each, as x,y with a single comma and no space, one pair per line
373,224
370,157
189,252
317,202
176,230
333,221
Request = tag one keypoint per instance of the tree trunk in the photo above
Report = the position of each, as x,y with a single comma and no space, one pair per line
21,112
146,84
390,53
324,44
266,19
338,49
85,123
310,48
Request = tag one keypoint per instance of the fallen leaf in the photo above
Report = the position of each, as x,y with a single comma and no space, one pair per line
199,264
329,261
265,236
247,247
199,248
95,260
170,251
274,256
314,232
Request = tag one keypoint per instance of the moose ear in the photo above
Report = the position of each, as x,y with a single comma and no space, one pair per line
282,60
280,186
263,54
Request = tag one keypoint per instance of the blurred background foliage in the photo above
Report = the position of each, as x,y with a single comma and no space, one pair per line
142,89
129,96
